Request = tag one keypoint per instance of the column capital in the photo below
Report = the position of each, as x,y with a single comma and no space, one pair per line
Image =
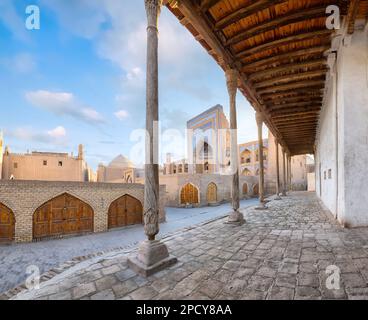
259,118
232,78
153,10
276,141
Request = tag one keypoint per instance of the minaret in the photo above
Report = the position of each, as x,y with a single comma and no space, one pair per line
80,152
1,154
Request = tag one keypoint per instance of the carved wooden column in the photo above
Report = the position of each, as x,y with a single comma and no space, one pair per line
152,255
259,119
284,172
277,197
289,172
232,77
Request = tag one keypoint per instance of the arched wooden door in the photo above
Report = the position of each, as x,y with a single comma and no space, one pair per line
255,190
63,215
189,194
7,224
212,193
245,188
125,211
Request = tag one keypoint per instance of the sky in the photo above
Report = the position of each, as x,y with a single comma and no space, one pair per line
80,79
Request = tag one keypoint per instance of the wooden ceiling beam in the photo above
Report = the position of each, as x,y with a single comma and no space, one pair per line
290,77
288,68
293,105
293,86
294,17
296,121
294,114
208,4
282,41
294,93
288,55
352,14
297,99
249,9
294,111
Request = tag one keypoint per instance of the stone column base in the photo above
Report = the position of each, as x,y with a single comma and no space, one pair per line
277,197
261,206
235,218
152,257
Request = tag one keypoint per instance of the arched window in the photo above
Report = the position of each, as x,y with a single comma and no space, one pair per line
206,167
246,172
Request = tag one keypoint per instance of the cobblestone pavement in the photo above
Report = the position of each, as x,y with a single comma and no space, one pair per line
280,253
15,259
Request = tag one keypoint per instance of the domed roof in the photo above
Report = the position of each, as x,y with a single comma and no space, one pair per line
121,162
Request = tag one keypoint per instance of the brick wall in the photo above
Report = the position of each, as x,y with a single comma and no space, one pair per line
25,197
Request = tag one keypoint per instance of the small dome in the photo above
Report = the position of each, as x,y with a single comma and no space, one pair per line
121,162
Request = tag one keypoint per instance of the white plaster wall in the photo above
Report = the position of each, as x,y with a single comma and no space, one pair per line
311,177
355,128
343,135
326,149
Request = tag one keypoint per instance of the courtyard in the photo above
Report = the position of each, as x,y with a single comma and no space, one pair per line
14,259
279,253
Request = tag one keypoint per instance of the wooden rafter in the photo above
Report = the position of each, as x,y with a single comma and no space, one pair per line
291,67
295,85
352,14
288,55
291,77
251,8
283,41
298,16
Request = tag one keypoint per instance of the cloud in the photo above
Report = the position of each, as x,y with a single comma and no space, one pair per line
63,104
118,31
58,132
20,63
12,21
55,136
121,114
24,63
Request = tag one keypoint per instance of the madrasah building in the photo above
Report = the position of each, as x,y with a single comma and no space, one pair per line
204,177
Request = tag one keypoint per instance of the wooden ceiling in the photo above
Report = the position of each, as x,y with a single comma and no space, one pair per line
279,48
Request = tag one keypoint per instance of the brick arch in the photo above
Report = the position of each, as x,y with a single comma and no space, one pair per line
62,215
7,224
124,210
51,196
189,193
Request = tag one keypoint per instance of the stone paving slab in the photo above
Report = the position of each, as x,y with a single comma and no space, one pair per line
279,253
49,254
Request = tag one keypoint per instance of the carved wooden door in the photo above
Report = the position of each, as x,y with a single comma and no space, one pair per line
212,193
62,215
124,211
189,194
7,224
